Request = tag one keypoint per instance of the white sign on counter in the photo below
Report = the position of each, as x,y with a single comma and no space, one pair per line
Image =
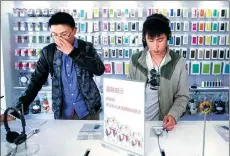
124,114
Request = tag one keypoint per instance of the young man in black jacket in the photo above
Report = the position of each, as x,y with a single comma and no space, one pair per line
72,63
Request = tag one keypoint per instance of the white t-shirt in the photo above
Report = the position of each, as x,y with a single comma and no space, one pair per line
151,96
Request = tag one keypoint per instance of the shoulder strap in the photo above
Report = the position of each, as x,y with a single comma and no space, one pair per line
82,47
50,56
135,58
136,64
168,69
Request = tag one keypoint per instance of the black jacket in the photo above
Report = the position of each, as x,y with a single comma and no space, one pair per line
50,61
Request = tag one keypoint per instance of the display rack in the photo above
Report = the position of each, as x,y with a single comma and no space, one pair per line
199,34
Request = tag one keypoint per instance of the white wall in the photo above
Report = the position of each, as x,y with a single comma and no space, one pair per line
3,101
6,51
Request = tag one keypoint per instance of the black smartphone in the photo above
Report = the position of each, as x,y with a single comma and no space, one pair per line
97,126
225,127
177,40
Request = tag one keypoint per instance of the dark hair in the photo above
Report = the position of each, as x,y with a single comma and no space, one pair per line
62,18
156,25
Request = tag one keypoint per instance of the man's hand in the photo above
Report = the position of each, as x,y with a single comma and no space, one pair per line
169,122
64,45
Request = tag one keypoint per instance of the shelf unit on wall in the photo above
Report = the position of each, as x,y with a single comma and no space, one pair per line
116,34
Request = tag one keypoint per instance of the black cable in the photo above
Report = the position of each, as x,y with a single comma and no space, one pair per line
158,140
161,151
15,151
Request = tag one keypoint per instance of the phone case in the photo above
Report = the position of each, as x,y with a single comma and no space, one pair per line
113,53
177,40
112,26
96,12
89,13
201,13
200,54
200,40
111,12
126,40
207,40
194,13
192,54
82,14
171,13
178,26
185,12
105,12
185,39
118,12
186,26
106,53
126,26
96,26
214,40
120,53
126,12
105,26
222,26
201,26
215,53
108,67
214,26
118,25
126,53
140,12
193,40
133,26
132,12
194,26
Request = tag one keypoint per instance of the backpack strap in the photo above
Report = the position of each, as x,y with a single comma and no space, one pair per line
81,46
50,56
136,64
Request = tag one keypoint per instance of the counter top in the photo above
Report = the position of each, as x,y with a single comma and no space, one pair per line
59,138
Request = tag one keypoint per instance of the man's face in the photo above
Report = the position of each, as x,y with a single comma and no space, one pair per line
158,44
63,31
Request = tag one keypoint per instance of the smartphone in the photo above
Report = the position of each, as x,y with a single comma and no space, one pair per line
158,127
225,127
97,126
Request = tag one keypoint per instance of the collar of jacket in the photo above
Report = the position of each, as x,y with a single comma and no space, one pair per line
167,69
142,59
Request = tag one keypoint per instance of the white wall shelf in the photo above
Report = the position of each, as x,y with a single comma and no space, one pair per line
49,88
224,88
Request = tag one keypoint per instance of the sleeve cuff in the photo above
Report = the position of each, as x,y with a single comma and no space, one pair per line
174,114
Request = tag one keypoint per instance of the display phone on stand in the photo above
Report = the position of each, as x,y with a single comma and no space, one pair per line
157,130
